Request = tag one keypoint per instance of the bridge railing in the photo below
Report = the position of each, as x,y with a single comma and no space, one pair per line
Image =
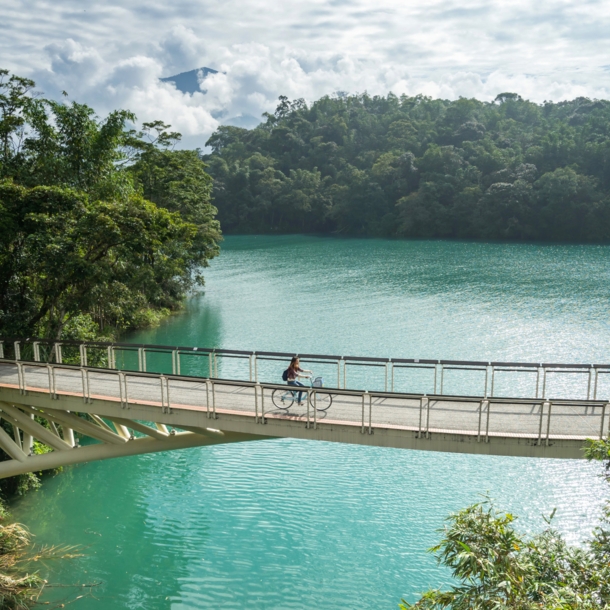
539,420
437,377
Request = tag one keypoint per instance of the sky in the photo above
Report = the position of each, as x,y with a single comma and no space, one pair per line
111,54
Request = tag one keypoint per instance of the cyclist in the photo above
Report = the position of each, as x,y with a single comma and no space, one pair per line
293,372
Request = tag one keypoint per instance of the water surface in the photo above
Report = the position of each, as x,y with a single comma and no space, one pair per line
297,524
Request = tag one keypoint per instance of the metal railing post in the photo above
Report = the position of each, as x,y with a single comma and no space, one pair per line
262,405
255,367
540,422
308,405
256,388
51,379
58,353
126,383
601,428
250,367
2,350
548,423
339,373
363,399
315,410
486,376
344,373
17,350
123,390
428,419
88,386
84,384
589,382
141,364
537,381
370,414
21,377
480,418
543,382
82,350
162,394
385,388
493,379
36,346
120,389
207,398
167,395
595,385
392,376
421,408
213,400
487,422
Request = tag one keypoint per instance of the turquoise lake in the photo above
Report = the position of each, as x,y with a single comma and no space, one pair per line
297,524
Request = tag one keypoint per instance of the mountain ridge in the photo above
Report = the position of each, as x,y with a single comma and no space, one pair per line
189,82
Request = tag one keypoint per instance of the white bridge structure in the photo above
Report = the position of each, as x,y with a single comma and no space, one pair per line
86,402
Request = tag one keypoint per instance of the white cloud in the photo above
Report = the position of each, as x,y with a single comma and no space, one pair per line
111,54
182,50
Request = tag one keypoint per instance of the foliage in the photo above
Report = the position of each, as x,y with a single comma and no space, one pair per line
62,254
176,180
20,586
419,167
496,568
599,450
101,227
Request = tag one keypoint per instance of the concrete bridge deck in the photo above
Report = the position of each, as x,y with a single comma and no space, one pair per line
120,404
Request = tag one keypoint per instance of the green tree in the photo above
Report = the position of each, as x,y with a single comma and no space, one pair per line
176,180
63,255
102,228
418,167
495,567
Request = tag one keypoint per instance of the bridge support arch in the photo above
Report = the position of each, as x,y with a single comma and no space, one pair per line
112,437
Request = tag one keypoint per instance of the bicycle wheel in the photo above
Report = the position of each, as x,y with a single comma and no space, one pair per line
322,400
282,399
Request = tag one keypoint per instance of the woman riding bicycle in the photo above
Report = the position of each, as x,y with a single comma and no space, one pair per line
293,373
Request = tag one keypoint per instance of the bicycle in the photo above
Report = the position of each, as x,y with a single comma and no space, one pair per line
284,399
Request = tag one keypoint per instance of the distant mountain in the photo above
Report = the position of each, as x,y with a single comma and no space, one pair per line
188,82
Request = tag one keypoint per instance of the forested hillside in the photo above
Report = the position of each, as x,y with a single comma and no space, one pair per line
418,167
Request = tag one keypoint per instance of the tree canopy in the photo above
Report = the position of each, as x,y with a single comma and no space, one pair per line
102,227
419,167
497,568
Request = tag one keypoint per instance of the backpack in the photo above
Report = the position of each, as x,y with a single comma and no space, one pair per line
285,375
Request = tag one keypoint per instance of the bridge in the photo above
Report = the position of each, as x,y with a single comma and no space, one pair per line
125,399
